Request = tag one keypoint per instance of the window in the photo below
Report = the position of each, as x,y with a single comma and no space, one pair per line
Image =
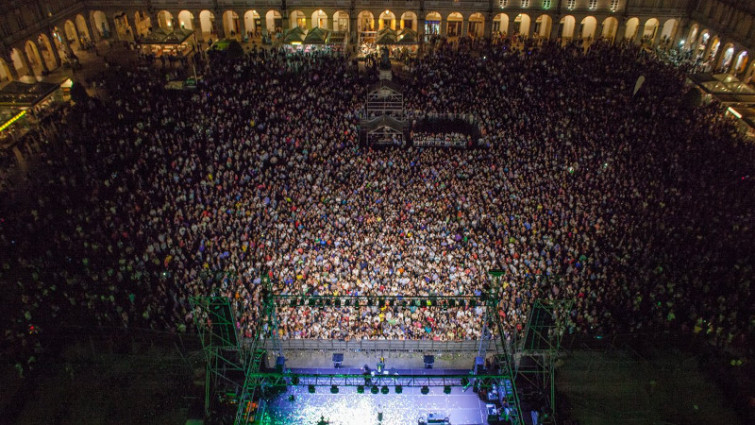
547,4
503,3
614,5
570,4
525,3
593,4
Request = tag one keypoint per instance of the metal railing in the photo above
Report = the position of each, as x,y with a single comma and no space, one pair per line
469,346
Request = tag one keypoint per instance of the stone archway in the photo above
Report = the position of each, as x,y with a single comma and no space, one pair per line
49,55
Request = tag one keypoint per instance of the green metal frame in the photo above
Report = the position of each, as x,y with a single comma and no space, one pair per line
539,348
216,324
254,358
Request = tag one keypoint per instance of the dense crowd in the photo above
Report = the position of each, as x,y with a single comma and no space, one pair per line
637,207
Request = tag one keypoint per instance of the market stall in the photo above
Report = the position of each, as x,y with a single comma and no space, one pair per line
173,43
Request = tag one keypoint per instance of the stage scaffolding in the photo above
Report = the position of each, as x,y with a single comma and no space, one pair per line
233,364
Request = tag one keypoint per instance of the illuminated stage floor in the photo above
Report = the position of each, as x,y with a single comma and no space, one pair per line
350,408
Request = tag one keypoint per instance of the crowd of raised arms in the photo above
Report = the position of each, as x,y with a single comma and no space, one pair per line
639,208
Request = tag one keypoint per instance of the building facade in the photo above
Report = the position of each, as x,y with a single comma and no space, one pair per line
37,35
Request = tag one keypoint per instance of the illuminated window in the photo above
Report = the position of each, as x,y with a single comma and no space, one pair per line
593,4
547,4
525,3
570,4
503,3
614,5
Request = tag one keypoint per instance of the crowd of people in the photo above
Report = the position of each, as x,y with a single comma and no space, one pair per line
638,207
446,140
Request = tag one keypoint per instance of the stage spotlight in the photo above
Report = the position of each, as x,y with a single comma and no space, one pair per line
374,389
360,389
425,390
333,389
447,389
292,303
399,389
338,302
311,389
295,380
347,302
385,389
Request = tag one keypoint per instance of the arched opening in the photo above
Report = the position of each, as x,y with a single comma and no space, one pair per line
409,20
165,20
71,35
18,63
501,24
521,25
231,24
726,58
252,22
186,20
543,25
476,25
81,26
702,44
341,21
122,26
587,28
668,33
143,23
432,23
274,21
319,19
714,45
365,21
740,64
633,25
47,52
750,72
567,25
297,18
453,26
5,72
100,25
649,31
387,19
610,26
692,36
34,58
206,23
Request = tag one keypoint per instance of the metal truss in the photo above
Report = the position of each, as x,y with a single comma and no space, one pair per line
538,350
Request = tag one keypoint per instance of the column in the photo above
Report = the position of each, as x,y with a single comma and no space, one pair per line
620,30
25,61
112,27
555,27
55,53
464,28
488,30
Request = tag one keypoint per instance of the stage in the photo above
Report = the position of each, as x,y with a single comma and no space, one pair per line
350,408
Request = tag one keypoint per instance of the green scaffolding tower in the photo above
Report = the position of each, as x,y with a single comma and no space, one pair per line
537,352
216,324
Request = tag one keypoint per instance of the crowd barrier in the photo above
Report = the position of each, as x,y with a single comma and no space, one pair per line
383,345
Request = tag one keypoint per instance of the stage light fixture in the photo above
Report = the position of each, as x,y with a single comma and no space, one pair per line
399,389
311,302
360,389
447,389
338,302
374,389
295,380
311,389
425,390
334,389
385,389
